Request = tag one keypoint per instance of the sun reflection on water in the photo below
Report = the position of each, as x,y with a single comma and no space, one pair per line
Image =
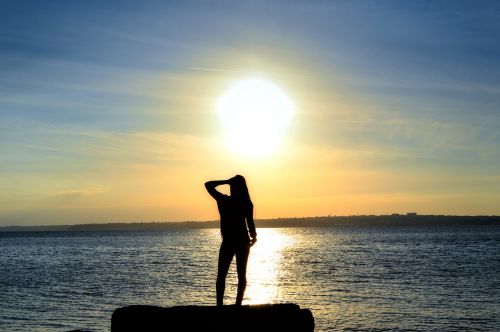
264,266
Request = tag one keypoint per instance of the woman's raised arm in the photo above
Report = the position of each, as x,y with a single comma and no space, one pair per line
210,185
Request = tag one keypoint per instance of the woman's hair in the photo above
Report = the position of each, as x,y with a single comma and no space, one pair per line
239,188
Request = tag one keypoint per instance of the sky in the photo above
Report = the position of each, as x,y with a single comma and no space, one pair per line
108,108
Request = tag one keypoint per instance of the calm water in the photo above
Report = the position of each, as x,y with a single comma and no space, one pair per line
353,279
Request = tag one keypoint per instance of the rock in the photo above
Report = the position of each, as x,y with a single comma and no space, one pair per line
256,318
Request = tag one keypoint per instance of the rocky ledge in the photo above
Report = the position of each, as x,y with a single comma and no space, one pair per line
256,318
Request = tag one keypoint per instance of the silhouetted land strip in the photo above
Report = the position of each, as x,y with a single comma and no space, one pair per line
264,317
328,221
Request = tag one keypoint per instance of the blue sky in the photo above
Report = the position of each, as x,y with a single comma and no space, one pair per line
410,88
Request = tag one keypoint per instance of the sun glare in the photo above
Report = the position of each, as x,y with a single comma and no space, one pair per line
265,266
254,115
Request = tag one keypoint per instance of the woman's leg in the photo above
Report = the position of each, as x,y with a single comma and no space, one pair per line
225,257
241,266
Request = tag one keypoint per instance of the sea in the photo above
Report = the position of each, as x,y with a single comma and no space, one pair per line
440,278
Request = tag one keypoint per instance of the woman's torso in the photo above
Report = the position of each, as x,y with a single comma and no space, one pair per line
233,219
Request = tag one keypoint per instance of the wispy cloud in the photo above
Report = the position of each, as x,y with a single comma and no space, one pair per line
75,194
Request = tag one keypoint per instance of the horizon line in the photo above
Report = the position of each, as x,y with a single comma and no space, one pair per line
409,214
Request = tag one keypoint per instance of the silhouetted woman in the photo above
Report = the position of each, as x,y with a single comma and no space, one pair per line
236,212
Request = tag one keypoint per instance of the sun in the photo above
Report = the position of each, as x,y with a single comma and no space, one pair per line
254,115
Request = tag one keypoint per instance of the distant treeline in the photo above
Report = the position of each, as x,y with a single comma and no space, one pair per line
327,221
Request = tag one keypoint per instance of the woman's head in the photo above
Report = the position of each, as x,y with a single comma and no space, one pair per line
238,187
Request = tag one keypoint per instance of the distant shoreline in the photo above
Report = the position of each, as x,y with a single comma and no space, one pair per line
325,221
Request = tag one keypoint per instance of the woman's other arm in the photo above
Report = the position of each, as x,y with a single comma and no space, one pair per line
251,225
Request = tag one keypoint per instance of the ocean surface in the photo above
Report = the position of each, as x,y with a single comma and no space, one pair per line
352,278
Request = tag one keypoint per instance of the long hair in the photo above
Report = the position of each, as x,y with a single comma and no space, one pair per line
239,189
